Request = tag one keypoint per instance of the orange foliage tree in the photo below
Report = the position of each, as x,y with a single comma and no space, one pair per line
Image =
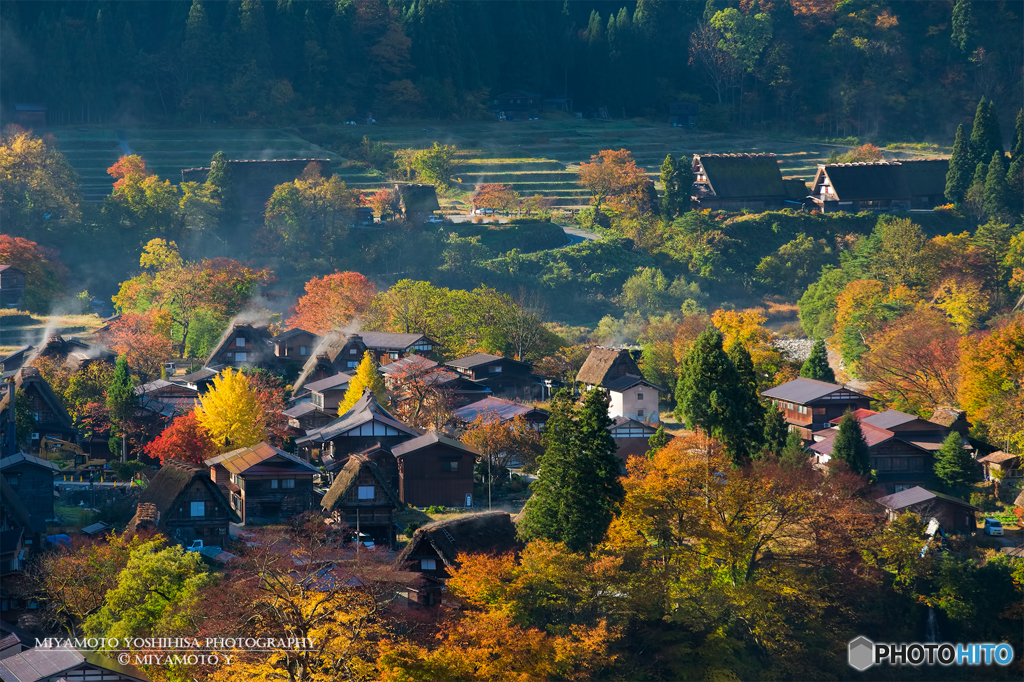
384,202
44,273
136,336
332,301
184,439
501,442
613,177
495,196
992,380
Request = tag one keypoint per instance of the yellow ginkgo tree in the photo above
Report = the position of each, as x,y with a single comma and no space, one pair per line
367,376
231,412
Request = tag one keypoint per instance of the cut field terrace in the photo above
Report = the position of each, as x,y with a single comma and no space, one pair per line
534,157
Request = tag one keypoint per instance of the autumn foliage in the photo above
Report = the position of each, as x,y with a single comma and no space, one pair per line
332,301
136,336
44,273
613,177
185,439
232,412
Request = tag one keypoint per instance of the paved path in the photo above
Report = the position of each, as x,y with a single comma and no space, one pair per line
577,236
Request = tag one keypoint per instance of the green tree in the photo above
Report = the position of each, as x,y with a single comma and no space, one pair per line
985,136
795,265
776,431
961,24
658,440
156,594
953,464
816,365
39,190
1017,147
220,174
709,394
997,191
961,166
577,491
436,164
794,454
817,307
849,445
750,437
121,404
677,179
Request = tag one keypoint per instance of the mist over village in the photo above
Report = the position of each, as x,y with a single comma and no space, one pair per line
465,341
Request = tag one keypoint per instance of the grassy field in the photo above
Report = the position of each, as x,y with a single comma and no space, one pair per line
18,328
535,157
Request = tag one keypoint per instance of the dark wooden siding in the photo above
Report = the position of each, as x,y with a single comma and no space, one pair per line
263,504
424,482
34,486
211,527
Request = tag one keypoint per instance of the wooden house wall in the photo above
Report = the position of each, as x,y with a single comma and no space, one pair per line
292,347
211,528
264,505
952,517
374,517
898,462
423,482
34,485
425,550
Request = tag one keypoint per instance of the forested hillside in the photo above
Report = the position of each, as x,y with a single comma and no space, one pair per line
834,69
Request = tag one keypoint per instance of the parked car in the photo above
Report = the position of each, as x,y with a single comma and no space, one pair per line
195,546
435,219
993,527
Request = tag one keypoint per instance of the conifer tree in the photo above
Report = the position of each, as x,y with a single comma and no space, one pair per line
997,191
980,174
1017,147
1015,184
220,172
749,436
958,179
121,405
578,490
658,440
985,136
816,365
669,202
794,454
849,445
953,464
367,376
776,431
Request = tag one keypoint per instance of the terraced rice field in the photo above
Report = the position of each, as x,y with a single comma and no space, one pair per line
534,157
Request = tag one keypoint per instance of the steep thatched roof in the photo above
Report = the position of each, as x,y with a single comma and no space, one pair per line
418,198
257,341
866,181
491,532
796,189
29,377
172,481
743,176
925,177
347,478
605,364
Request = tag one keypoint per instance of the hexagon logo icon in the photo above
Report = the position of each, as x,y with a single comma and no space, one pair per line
861,653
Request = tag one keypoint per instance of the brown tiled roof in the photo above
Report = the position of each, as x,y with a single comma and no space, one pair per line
428,439
917,495
997,457
241,460
491,532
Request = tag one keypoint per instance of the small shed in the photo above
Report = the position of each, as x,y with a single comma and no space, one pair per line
683,113
12,287
418,202
953,514
1002,463
30,115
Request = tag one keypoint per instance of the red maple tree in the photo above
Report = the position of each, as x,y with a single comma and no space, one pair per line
185,439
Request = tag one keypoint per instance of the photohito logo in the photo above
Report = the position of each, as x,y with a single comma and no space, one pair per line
862,653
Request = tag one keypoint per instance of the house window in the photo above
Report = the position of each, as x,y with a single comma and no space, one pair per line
221,531
366,492
449,466
303,350
317,399
900,487
198,508
428,565
240,357
273,484
640,414
494,369
288,483
353,351
240,342
12,479
351,363
639,396
393,356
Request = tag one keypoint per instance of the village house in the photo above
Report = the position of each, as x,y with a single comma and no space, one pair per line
305,417
517,103
953,514
244,346
418,369
52,419
926,180
505,377
342,353
201,379
901,447
367,424
180,395
363,499
632,437
502,410
435,470
183,502
21,532
417,202
811,405
65,664
32,479
295,344
683,114
12,287
1001,464
30,115
434,549
854,187
72,352
732,182
615,371
265,485
328,393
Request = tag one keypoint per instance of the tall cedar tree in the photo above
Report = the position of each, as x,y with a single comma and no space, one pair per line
578,490
367,377
985,136
816,365
121,401
850,446
997,191
961,165
708,393
1017,148
776,432
953,464
669,203
750,438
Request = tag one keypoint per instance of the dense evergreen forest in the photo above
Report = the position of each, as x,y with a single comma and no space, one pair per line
824,67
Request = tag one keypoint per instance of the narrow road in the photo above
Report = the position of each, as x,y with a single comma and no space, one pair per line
578,236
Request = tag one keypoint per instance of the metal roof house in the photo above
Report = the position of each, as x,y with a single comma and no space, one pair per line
811,405
953,514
